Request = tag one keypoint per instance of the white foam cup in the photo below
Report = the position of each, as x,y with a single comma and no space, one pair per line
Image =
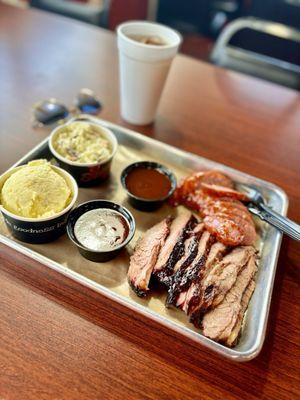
144,68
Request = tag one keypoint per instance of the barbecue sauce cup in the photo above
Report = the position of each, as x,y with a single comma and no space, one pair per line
147,184
103,206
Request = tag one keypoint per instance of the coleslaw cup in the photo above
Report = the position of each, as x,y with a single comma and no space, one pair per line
86,174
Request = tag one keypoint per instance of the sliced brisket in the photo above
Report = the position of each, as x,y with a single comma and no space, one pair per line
184,277
193,296
218,282
145,256
216,252
224,321
190,248
244,305
173,248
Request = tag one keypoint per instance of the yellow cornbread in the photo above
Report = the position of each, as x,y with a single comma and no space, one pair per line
83,143
35,190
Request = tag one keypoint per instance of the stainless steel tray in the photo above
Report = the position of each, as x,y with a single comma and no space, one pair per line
109,279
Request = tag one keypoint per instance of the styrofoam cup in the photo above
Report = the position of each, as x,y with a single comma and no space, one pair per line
144,68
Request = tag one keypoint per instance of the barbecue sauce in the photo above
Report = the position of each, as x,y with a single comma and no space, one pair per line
147,183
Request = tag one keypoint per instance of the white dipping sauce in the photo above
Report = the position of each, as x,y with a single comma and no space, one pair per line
101,229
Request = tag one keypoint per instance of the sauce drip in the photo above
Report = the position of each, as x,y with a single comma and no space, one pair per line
147,183
101,229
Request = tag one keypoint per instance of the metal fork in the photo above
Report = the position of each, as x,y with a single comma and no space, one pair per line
257,206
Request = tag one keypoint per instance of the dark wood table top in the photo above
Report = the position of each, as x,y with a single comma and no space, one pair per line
60,340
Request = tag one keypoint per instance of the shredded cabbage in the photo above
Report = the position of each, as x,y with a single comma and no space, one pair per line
82,142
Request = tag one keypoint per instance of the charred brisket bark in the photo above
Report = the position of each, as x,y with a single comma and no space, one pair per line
173,247
184,277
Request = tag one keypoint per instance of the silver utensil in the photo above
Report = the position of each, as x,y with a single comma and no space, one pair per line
258,207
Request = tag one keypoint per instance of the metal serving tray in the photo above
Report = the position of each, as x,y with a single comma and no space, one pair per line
109,278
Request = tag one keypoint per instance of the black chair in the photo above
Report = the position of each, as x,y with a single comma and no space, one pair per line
254,53
93,14
286,12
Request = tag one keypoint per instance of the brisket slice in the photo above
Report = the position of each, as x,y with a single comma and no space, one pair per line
190,248
223,322
218,282
173,248
145,256
232,339
221,281
216,252
184,277
193,295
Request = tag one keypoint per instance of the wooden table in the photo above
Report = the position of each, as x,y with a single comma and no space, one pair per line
62,341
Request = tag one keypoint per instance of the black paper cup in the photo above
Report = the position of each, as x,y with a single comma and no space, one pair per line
95,255
39,230
86,174
145,204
